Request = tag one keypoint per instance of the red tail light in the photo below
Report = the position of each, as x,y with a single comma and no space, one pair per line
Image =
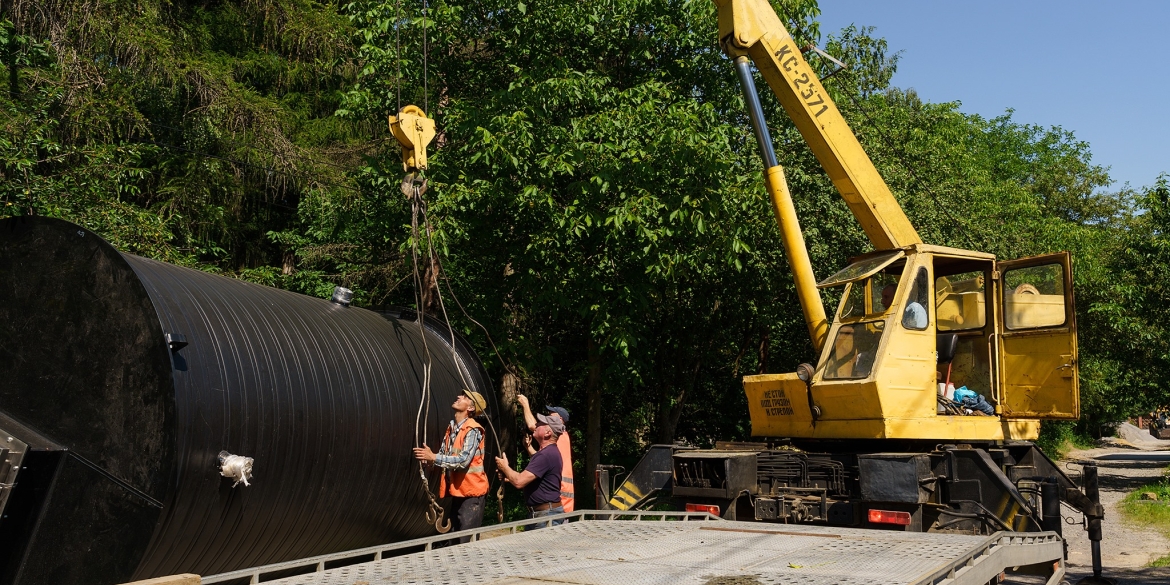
713,510
888,517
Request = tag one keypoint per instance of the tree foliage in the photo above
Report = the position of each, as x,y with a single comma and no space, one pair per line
595,193
1130,316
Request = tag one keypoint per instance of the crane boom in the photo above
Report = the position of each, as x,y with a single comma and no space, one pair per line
752,28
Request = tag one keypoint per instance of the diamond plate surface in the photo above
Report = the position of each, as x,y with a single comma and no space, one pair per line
667,553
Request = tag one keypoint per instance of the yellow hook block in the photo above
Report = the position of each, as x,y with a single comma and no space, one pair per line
414,131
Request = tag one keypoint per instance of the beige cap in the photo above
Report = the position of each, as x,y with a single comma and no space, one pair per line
477,400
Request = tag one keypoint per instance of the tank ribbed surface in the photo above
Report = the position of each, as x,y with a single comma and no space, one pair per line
322,396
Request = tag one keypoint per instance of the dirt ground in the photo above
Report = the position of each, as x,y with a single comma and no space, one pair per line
1125,549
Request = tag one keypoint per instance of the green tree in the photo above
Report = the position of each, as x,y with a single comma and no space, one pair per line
595,192
201,133
1130,317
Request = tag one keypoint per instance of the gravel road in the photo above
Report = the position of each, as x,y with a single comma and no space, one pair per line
1126,549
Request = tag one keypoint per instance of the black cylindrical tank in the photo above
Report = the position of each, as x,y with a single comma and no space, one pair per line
123,378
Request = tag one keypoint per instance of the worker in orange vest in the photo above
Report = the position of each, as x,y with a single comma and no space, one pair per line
461,459
568,494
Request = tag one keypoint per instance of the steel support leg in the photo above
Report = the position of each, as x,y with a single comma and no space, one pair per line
1094,494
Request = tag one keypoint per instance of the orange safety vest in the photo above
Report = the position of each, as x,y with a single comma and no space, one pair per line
472,481
568,494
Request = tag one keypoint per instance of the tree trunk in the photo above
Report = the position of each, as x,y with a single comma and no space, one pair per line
672,406
289,262
586,495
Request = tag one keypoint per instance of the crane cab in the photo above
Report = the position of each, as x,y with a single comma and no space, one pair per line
911,318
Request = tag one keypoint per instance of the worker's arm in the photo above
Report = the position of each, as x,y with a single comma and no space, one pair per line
461,460
424,454
518,479
528,418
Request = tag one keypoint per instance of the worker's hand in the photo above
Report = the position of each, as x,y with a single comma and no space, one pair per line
523,400
424,454
502,462
528,445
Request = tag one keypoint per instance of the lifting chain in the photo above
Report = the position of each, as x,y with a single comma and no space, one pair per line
435,514
414,185
500,500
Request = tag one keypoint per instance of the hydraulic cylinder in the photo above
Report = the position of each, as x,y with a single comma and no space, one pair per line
785,210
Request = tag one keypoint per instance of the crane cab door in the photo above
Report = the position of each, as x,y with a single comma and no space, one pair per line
1038,338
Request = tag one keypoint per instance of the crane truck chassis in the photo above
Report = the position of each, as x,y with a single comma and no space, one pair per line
960,489
866,435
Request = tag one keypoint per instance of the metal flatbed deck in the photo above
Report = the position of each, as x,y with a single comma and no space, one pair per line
702,553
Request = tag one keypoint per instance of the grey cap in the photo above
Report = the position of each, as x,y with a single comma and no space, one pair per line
554,423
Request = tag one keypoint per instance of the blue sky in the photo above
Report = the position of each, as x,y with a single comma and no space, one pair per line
1099,69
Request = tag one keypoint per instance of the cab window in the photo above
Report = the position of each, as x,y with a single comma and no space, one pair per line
960,301
883,287
916,314
1034,297
853,305
871,296
854,349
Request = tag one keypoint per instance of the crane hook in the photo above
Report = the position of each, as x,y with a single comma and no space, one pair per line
435,515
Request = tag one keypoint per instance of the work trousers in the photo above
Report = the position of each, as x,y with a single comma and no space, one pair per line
542,513
466,513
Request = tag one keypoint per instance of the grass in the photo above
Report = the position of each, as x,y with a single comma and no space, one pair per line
1057,438
1152,513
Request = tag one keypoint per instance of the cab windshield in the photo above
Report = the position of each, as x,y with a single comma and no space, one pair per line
864,305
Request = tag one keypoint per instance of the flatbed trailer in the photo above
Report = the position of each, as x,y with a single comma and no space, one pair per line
605,547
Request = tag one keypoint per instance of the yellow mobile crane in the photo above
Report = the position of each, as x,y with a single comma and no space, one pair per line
870,434
1008,328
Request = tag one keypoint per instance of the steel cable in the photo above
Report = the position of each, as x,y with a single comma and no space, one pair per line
435,513
438,269
398,52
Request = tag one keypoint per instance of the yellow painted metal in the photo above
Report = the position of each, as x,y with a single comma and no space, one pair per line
1029,368
414,131
626,496
1038,364
779,408
897,399
751,27
802,272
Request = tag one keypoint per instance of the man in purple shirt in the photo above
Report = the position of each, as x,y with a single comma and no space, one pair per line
541,479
